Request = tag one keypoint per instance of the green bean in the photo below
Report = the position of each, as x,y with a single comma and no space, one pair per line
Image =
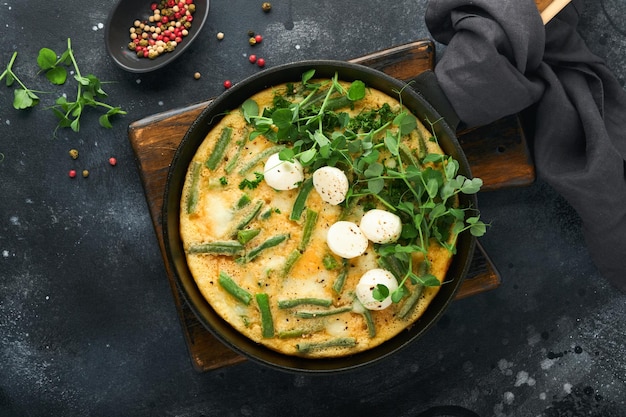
220,147
407,155
247,217
307,231
224,247
411,301
341,278
259,157
232,163
338,102
300,201
267,323
369,321
291,333
329,262
294,302
194,189
269,243
422,150
245,236
243,201
321,313
344,342
290,262
393,265
233,289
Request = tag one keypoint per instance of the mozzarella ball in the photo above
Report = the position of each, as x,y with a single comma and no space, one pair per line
381,226
331,184
345,239
368,283
283,175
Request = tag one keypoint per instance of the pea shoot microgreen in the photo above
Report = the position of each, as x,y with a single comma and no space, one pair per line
23,97
422,188
88,94
89,91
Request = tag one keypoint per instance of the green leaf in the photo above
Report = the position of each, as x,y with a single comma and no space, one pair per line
250,109
23,99
10,78
405,122
429,280
282,118
433,157
432,187
82,80
380,292
374,170
451,168
471,186
320,139
478,229
375,185
66,57
286,154
437,211
46,59
392,143
356,91
397,295
104,121
75,125
306,77
57,75
308,157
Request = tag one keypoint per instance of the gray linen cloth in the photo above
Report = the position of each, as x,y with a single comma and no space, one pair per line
501,60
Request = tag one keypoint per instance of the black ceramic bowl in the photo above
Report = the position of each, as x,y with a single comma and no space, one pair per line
231,99
121,19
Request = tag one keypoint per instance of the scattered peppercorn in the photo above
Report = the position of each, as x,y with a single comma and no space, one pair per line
258,38
197,75
251,33
252,41
112,161
252,58
260,62
74,153
220,36
85,173
228,84
266,6
72,173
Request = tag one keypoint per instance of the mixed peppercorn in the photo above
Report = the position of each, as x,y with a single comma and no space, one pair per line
168,25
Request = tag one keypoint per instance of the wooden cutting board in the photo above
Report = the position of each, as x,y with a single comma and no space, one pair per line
497,153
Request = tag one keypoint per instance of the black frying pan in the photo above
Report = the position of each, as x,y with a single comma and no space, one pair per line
233,98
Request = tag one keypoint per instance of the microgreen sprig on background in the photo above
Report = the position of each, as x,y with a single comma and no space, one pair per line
420,187
23,97
89,91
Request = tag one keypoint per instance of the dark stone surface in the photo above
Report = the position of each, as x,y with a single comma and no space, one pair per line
88,326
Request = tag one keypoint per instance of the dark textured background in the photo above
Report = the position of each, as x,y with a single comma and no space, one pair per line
88,326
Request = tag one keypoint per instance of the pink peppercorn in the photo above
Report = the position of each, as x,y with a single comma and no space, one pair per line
252,59
112,161
72,173
260,62
228,84
258,38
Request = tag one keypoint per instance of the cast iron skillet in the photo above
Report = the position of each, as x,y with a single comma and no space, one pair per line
193,138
